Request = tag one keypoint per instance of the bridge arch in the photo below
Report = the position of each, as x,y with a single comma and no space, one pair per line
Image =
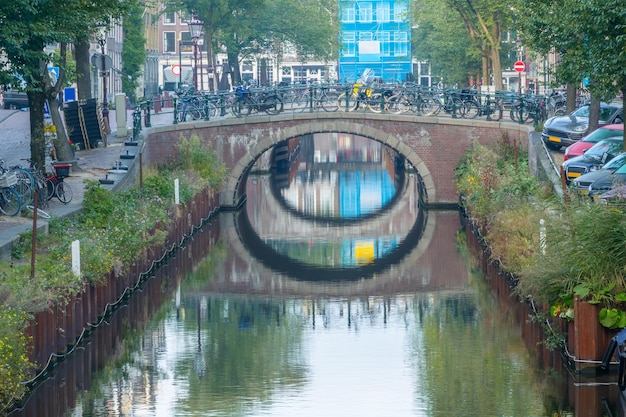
238,173
433,145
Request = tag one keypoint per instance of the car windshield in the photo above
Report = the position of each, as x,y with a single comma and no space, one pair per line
599,134
616,162
606,112
621,170
604,147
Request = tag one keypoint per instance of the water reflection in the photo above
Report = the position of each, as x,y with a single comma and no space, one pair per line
305,310
336,175
345,210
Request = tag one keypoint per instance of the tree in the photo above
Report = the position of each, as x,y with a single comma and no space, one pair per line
590,37
27,28
486,21
248,27
441,39
133,51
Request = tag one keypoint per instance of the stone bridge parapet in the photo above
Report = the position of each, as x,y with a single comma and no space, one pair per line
434,146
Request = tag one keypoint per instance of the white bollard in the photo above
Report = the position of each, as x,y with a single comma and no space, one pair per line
542,236
76,257
176,192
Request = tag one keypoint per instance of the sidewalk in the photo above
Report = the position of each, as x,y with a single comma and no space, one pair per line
94,164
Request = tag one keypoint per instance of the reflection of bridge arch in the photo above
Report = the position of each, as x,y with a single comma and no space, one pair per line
238,173
425,268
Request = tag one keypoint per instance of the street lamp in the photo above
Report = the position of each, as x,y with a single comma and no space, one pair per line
195,29
102,40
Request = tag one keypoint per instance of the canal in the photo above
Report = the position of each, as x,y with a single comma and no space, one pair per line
333,292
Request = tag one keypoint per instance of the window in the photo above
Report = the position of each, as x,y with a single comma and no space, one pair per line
365,36
385,44
169,18
382,12
349,43
400,44
399,12
187,43
348,14
169,42
365,12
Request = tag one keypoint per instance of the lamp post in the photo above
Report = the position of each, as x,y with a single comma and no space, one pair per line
195,28
105,105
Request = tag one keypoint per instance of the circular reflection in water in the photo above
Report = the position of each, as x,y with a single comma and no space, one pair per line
319,249
335,176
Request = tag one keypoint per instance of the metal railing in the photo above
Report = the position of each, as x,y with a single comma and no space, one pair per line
408,98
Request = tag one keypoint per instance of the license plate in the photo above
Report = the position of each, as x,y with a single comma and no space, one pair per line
583,192
573,174
554,139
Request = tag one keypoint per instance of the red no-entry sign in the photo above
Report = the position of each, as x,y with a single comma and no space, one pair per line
176,70
519,66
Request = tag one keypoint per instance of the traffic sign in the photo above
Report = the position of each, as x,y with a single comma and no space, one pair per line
176,70
519,66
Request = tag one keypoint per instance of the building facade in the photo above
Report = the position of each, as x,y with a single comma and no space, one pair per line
375,34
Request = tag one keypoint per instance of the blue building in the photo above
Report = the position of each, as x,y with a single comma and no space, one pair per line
375,34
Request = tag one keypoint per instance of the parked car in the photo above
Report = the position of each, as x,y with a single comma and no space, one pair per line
582,183
559,131
15,99
592,160
594,137
602,185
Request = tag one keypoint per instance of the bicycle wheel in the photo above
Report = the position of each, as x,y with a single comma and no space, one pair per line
329,101
40,212
194,112
63,192
398,104
50,185
470,110
429,107
496,111
272,105
210,109
347,102
237,107
10,201
376,103
25,184
300,103
181,112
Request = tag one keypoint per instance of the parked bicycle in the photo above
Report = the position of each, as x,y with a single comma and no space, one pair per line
56,187
10,200
249,101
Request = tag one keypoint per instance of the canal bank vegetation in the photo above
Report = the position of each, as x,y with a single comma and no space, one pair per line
555,248
113,229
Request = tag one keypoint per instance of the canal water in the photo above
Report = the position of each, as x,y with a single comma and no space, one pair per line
332,293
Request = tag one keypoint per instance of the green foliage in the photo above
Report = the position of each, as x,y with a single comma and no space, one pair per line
589,35
197,156
13,355
133,51
441,39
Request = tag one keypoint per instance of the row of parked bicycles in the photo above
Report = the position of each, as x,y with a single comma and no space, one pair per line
403,98
20,186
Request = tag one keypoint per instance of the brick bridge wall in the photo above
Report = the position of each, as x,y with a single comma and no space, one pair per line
433,145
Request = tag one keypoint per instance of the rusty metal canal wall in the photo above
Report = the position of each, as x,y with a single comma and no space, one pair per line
57,331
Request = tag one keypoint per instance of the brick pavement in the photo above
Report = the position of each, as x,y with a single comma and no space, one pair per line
91,164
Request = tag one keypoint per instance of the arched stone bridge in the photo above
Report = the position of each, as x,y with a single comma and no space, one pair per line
433,146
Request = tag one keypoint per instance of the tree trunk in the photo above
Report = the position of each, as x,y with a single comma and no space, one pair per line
496,67
594,114
570,103
36,102
233,60
83,69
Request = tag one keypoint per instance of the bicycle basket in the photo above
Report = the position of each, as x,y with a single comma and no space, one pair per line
8,179
62,170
